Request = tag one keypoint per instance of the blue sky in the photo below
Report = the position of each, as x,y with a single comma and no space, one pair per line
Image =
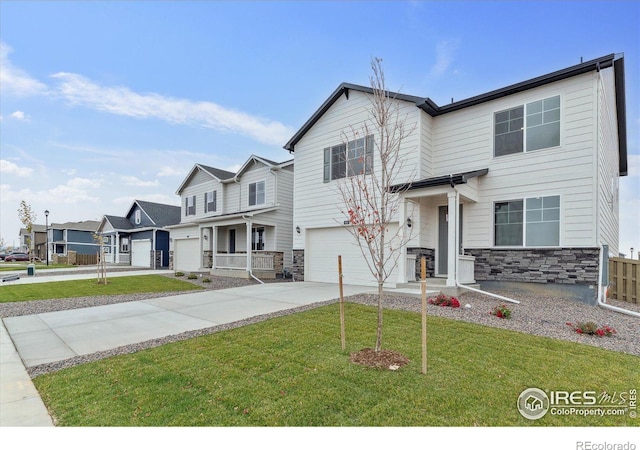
106,102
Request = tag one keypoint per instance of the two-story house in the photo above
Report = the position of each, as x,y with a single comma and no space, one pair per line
139,238
73,237
519,184
227,216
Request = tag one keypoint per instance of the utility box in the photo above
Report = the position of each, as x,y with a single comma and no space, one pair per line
31,270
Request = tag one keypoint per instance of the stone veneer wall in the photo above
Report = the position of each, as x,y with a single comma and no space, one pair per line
170,259
297,268
278,260
578,266
429,253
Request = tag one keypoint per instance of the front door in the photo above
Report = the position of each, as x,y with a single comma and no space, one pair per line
232,240
443,238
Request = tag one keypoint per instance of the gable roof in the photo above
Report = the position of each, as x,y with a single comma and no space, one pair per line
118,223
226,176
85,225
430,107
160,214
267,162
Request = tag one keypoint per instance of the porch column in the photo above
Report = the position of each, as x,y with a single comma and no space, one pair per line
452,230
214,245
117,249
402,232
249,245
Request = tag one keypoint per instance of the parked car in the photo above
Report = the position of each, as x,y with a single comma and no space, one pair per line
3,255
17,257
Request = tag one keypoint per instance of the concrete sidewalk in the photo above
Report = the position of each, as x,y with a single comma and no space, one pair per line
55,336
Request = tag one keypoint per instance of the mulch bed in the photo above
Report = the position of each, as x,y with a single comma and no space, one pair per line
384,359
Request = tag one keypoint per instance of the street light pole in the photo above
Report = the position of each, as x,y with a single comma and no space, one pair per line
46,229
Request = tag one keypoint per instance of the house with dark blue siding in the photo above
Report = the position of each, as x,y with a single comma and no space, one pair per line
73,236
139,238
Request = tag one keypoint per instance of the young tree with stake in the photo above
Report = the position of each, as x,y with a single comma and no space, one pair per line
367,201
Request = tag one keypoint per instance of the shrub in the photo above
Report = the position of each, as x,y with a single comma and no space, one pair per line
206,280
592,328
445,300
501,311
179,274
192,276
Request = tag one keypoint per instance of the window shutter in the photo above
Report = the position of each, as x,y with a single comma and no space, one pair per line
368,155
252,194
327,165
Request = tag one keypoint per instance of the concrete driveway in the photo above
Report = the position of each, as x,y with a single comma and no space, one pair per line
55,336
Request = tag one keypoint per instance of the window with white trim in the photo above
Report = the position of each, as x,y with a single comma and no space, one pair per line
532,222
526,128
124,244
346,160
190,206
137,217
256,193
210,201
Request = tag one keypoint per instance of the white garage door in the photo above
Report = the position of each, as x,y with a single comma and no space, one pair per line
321,258
141,253
186,255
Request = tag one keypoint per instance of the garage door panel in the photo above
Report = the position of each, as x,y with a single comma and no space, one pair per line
321,258
186,255
141,253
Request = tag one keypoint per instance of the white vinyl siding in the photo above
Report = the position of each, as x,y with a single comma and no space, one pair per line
463,141
317,203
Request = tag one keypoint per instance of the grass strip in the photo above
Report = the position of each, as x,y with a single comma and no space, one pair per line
88,288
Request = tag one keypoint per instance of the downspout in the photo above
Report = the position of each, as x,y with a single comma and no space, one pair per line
249,255
457,262
602,289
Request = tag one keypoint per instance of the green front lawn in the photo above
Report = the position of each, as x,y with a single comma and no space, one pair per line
84,288
290,371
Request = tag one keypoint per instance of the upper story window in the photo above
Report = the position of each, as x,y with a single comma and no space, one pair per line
210,201
256,193
346,160
529,127
190,206
530,222
137,217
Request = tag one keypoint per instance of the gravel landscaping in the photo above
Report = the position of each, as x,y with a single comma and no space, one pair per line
536,315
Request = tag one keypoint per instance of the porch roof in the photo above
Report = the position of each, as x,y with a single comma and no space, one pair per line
451,180
223,217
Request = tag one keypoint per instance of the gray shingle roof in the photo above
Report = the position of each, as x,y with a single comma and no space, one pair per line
119,223
218,173
163,215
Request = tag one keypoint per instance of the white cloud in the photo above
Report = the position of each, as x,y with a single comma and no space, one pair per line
14,80
168,171
69,172
79,90
83,183
19,115
134,181
10,168
445,51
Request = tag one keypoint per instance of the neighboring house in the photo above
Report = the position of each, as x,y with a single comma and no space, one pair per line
73,236
38,236
529,173
140,238
226,216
